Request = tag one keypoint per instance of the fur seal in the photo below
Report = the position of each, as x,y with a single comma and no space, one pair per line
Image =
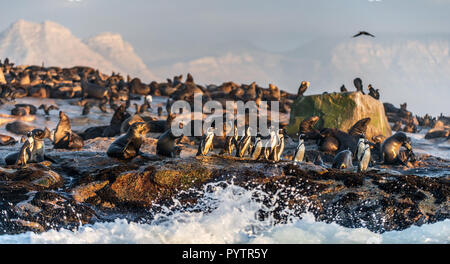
7,140
19,128
359,127
65,138
166,145
390,149
128,146
343,160
307,127
23,109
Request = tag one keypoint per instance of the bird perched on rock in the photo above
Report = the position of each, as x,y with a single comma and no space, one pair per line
343,89
361,33
374,93
358,85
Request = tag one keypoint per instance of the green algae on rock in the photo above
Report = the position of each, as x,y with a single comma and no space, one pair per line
341,111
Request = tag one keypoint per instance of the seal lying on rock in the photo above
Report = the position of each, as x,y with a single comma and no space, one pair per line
336,140
166,145
390,149
65,138
128,146
19,128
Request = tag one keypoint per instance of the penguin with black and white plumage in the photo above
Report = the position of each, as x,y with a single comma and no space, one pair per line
364,161
148,101
257,148
244,143
360,146
25,153
206,144
230,140
270,144
299,153
279,148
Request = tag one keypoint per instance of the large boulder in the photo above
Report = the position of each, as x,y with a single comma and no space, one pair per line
341,111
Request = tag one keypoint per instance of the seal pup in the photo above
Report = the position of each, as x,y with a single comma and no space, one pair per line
65,138
299,153
206,144
279,148
128,146
244,143
343,160
166,145
47,109
364,160
390,149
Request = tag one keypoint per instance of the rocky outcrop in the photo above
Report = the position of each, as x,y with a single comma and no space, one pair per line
67,193
340,111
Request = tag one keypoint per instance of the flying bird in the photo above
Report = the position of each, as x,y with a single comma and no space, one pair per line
363,33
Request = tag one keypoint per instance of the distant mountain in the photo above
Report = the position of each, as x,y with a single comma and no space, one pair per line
112,47
54,45
412,69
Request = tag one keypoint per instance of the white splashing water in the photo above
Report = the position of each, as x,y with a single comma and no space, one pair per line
233,221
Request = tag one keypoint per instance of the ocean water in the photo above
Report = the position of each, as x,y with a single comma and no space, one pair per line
227,212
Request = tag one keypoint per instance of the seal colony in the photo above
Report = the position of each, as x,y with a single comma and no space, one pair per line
141,161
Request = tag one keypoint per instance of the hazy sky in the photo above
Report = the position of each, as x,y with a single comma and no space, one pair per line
274,25
166,32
